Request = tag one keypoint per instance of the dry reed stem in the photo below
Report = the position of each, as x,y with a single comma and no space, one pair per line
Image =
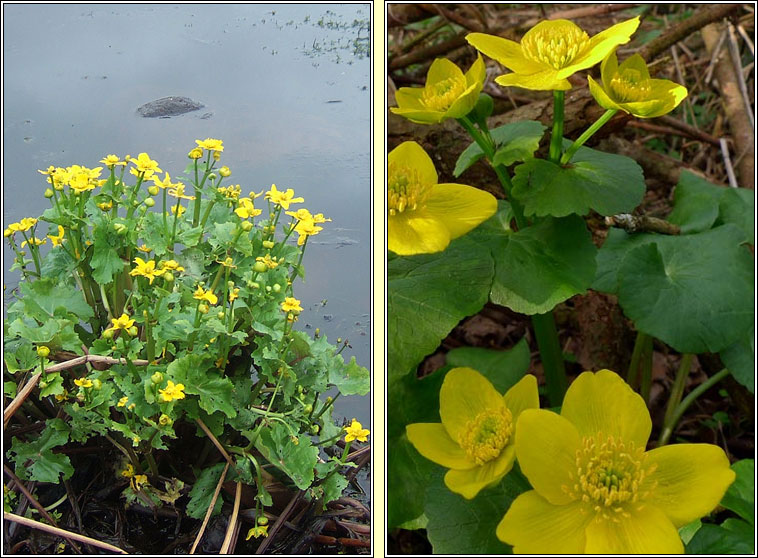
61,532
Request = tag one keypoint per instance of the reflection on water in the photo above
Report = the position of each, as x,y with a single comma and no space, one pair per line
284,86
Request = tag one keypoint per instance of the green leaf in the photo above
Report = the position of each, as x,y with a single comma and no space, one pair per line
46,298
603,182
333,487
105,261
350,379
503,368
202,492
540,266
460,526
516,141
693,292
45,466
739,358
688,531
617,244
214,390
740,497
295,460
426,301
737,206
735,537
24,357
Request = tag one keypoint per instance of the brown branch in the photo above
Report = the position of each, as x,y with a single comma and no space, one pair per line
431,51
232,521
588,11
61,532
672,130
279,521
703,16
210,509
642,223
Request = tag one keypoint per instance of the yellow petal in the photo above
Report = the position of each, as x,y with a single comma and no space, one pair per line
601,96
477,73
442,69
546,446
409,97
601,45
608,68
689,480
544,80
665,97
603,402
637,63
465,103
521,396
411,154
532,525
419,116
433,442
464,394
646,531
468,483
507,52
460,207
411,234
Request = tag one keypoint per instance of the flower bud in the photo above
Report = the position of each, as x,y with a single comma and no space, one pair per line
153,190
277,287
48,193
165,420
97,384
168,277
315,428
216,155
132,331
157,378
120,228
220,315
268,244
230,285
196,153
212,176
224,171
203,308
253,285
108,333
262,520
259,267
268,288
246,226
80,397
43,351
308,408
142,208
149,202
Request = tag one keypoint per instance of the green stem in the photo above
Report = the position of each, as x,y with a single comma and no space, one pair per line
642,356
299,261
587,134
326,406
556,140
689,400
647,370
552,357
675,398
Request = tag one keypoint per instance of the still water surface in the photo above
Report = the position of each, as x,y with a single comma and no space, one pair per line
286,87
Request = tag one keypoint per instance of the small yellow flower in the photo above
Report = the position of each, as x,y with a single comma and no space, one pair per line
165,183
246,209
282,198
128,472
291,305
35,241
165,420
172,391
144,248
146,269
595,488
230,192
178,192
551,51
448,93
24,225
270,262
122,402
170,265
211,144
178,207
145,166
476,438
106,205
233,294
301,214
122,322
62,396
131,407
111,161
630,88
257,531
208,296
138,481
425,216
306,228
356,432
196,153
83,382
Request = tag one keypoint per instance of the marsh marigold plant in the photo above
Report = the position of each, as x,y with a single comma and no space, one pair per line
425,216
476,437
596,489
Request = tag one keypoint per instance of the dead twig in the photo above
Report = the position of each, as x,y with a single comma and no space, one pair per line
671,130
215,441
431,51
589,11
61,532
642,223
278,523
734,51
210,510
232,520
728,163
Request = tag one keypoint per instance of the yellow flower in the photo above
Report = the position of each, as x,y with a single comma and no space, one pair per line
57,239
178,207
230,192
283,199
172,391
144,248
476,437
268,260
165,183
128,472
138,481
301,214
106,205
146,269
596,489
111,161
291,305
170,265
165,420
35,241
208,296
122,322
122,402
356,432
319,218
257,531
448,93
551,51
306,228
195,153
630,88
178,192
425,216
246,209
211,144
24,225
233,294
145,166
83,382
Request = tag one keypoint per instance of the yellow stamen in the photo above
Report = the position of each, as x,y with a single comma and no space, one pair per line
556,46
485,436
630,86
441,95
405,190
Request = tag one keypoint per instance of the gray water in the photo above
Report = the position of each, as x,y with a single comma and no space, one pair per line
287,89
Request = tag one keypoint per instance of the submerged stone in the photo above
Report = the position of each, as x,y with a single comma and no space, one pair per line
168,106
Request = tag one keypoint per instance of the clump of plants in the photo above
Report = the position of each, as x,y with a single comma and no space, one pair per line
155,305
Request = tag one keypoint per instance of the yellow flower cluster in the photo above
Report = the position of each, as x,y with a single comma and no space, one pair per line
356,432
79,179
